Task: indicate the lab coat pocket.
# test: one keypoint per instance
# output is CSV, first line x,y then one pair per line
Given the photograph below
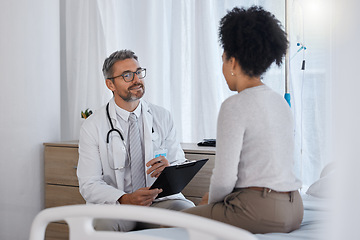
x,y
156,141
118,152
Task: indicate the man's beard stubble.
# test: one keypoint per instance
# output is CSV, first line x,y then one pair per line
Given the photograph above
x,y
133,97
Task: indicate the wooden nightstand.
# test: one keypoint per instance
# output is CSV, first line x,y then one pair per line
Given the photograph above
x,y
61,184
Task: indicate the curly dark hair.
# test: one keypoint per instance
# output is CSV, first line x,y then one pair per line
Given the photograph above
x,y
254,37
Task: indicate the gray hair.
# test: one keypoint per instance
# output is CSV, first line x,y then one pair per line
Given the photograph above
x,y
113,58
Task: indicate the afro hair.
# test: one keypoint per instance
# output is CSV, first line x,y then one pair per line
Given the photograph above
x,y
254,37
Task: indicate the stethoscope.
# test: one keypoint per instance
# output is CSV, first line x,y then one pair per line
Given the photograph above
x,y
108,141
122,139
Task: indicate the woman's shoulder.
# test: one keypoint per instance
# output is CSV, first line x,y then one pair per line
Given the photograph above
x,y
254,98
236,105
245,97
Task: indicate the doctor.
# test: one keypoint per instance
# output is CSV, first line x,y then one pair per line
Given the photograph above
x,y
124,146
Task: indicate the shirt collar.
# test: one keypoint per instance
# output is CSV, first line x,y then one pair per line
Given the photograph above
x,y
125,114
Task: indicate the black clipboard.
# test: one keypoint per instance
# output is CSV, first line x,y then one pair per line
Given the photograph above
x,y
174,179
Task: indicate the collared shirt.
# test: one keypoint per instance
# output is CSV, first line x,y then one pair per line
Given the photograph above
x,y
123,118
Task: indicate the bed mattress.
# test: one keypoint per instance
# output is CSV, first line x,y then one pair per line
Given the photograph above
x,y
313,226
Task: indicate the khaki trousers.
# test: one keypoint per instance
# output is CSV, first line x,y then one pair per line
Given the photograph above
x,y
256,211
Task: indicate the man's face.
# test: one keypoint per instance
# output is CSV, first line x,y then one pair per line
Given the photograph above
x,y
127,91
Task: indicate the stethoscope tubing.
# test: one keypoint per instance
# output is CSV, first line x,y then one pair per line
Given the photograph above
x,y
108,139
112,127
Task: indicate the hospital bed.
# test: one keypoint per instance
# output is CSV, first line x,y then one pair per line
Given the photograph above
x,y
317,212
181,226
313,227
80,221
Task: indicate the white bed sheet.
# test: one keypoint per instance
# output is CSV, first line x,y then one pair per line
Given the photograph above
x,y
313,227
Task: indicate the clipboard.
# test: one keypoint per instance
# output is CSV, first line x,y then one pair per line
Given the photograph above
x,y
174,179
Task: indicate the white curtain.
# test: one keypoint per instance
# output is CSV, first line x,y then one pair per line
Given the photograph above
x,y
177,41
85,51
310,27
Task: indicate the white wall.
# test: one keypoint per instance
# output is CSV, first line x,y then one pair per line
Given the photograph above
x,y
346,109
29,107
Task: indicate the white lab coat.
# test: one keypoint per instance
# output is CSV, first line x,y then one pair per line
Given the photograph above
x,y
99,183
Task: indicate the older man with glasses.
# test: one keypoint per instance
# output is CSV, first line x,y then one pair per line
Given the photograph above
x,y
125,145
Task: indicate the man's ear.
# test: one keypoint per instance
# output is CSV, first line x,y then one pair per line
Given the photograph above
x,y
110,85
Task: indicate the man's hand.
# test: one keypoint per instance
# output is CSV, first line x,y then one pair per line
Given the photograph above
x,y
157,166
142,197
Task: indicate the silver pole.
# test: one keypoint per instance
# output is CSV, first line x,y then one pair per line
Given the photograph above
x,y
287,56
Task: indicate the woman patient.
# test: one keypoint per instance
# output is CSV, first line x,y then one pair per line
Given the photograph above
x,y
253,185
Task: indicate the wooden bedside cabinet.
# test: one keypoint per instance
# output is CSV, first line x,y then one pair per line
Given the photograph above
x,y
62,187
199,185
61,184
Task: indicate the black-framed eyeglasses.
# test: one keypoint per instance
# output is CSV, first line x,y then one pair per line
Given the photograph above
x,y
129,76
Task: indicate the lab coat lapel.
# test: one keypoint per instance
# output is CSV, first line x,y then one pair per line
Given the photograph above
x,y
118,148
148,126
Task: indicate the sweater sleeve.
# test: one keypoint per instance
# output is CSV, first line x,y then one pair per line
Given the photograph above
x,y
230,134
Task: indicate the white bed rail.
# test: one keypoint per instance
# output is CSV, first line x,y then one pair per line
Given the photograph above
x,y
80,218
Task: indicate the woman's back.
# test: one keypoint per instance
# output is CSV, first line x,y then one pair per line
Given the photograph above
x,y
255,143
